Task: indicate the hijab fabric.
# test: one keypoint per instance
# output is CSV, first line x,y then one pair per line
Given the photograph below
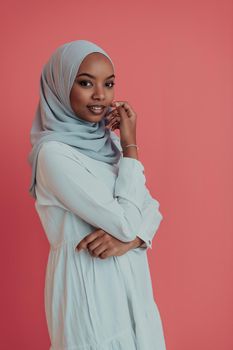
x,y
54,118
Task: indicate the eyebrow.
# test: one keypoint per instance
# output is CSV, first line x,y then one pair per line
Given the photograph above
x,y
93,77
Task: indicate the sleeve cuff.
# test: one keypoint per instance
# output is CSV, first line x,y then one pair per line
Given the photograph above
x,y
147,242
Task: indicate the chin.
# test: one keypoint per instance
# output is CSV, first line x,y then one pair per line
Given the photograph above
x,y
94,118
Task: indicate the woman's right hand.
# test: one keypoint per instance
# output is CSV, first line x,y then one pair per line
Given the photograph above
x,y
124,118
100,243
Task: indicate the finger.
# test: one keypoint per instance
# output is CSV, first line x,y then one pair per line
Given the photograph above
x,y
104,254
127,107
116,125
114,103
99,250
122,112
109,115
114,116
111,108
113,121
118,103
94,244
108,119
88,239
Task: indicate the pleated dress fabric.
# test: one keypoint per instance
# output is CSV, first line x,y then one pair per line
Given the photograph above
x,y
93,303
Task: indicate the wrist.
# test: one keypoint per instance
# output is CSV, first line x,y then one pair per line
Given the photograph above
x,y
127,142
137,242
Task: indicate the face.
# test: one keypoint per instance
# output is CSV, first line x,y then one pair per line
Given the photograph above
x,y
93,85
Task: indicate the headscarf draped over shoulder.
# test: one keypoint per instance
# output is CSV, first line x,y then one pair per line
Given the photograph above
x,y
54,118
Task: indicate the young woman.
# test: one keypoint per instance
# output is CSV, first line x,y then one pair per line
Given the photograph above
x,y
99,217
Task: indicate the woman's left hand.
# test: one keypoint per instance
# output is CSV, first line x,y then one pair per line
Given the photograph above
x,y
113,118
101,244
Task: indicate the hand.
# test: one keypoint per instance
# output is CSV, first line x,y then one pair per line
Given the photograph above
x,y
101,244
123,117
112,119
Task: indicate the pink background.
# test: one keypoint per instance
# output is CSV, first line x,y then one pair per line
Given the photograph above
x,y
174,66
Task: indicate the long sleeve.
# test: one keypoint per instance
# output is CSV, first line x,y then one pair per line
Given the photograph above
x,y
78,190
152,218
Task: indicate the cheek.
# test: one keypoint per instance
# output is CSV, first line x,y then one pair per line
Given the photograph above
x,y
110,94
78,97
78,101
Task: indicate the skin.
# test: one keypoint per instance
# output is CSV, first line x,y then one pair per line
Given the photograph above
x,y
99,90
86,90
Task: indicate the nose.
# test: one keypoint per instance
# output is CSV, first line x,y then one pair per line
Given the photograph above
x,y
98,93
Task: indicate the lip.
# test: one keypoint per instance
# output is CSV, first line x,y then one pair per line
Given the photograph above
x,y
96,105
95,112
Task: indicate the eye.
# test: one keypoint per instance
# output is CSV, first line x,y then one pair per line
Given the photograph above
x,y
85,82
111,82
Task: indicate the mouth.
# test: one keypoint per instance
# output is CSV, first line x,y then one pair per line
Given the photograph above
x,y
96,109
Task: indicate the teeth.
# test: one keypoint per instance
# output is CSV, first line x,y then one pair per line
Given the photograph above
x,y
97,108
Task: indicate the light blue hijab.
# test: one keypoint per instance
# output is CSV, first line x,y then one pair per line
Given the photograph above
x,y
54,118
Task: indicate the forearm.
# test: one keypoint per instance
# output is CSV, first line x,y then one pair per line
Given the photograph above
x,y
132,152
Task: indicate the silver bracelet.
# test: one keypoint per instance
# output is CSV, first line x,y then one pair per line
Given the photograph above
x,y
132,144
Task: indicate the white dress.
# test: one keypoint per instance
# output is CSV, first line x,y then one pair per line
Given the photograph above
x,y
93,303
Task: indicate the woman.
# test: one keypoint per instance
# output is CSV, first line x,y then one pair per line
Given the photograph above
x,y
95,208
